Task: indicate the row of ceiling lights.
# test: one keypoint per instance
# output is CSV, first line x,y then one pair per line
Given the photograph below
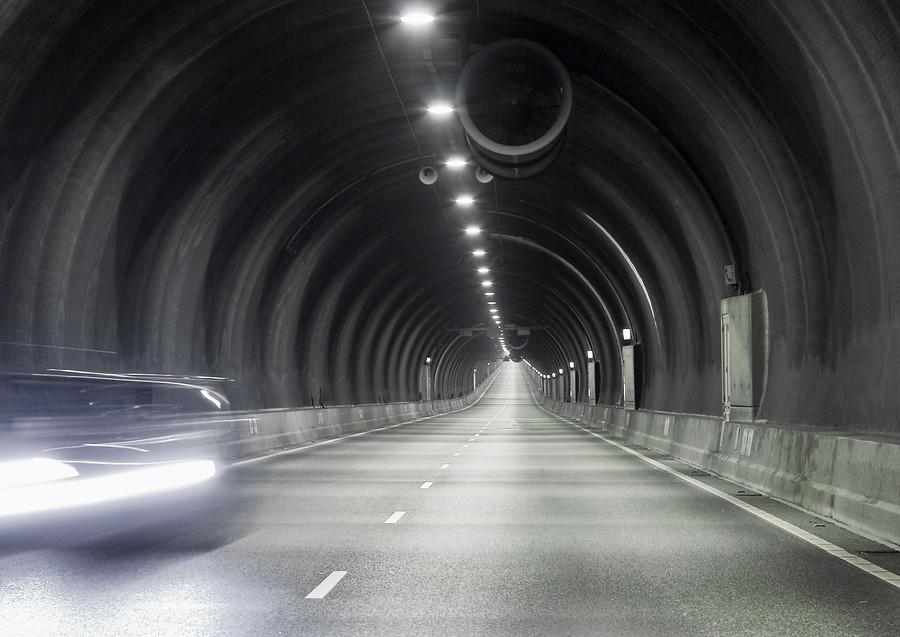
x,y
554,374
419,18
487,284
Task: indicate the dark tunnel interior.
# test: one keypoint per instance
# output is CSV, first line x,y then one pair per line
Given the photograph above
x,y
233,189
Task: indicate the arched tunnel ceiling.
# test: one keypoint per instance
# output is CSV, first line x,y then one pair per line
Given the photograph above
x,y
232,188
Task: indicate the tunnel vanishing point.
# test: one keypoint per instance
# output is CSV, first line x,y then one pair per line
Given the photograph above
x,y
683,215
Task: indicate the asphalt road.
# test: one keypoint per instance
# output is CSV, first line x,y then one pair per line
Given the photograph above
x,y
496,520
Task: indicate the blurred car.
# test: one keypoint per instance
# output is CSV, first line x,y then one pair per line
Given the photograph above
x,y
84,455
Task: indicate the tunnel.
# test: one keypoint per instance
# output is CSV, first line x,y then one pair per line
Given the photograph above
x,y
676,220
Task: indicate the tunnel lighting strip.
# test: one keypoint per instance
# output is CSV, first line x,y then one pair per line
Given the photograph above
x,y
854,560
630,263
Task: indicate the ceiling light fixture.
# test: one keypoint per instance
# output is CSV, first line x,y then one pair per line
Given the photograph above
x,y
465,200
417,18
478,253
440,109
487,284
471,230
455,162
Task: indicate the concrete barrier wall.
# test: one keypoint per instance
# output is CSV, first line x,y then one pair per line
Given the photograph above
x,y
258,433
850,479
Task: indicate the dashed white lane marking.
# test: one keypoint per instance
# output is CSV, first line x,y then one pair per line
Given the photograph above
x,y
327,584
854,560
471,440
395,517
464,446
457,455
445,466
476,435
426,485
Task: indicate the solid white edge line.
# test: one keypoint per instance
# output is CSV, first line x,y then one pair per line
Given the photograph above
x,y
426,485
395,517
832,549
327,584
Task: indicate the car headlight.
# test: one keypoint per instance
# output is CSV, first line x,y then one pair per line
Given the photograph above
x,y
56,494
16,473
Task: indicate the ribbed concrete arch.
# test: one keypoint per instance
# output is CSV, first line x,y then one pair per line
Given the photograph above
x,y
231,188
562,336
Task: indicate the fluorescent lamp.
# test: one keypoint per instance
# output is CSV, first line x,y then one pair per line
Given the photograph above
x,y
478,253
472,230
455,162
465,200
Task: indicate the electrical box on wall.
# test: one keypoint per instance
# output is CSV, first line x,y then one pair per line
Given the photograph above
x,y
593,384
629,387
730,275
744,355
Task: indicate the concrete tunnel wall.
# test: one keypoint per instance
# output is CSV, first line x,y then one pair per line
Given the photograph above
x,y
196,189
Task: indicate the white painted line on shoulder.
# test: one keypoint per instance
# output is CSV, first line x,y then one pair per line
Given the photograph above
x,y
828,547
426,485
327,584
395,517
